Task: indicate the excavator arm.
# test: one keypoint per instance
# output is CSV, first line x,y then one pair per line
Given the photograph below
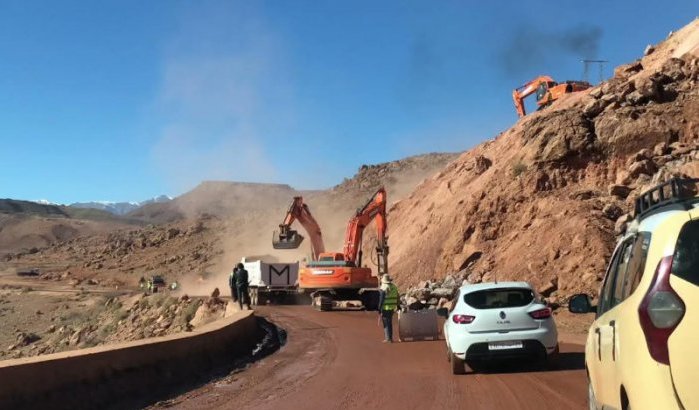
x,y
524,91
374,209
287,238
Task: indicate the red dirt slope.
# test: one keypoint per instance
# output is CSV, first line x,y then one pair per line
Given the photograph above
x,y
540,201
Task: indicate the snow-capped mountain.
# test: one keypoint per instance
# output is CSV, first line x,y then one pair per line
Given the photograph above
x,y
44,202
120,208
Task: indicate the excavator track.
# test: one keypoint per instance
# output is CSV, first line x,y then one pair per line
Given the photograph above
x,y
351,299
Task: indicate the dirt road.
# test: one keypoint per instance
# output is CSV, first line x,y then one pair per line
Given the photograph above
x,y
336,361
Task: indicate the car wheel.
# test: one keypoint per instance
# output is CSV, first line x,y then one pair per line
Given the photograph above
x,y
592,402
458,366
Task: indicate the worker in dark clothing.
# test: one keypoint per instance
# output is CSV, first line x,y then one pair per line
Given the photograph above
x,y
241,285
388,304
231,284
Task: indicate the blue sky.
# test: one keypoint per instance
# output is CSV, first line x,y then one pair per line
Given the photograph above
x,y
124,100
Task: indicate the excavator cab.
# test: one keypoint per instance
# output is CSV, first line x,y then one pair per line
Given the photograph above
x,y
328,259
286,238
541,90
331,257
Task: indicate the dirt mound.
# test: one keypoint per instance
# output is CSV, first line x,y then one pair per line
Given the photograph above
x,y
544,200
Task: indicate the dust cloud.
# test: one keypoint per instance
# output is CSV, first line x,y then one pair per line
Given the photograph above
x,y
248,232
248,213
244,216
223,92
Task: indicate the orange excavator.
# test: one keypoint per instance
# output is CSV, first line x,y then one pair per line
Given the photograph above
x,y
547,91
332,277
287,238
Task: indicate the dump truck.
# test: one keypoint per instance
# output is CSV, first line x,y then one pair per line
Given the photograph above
x,y
547,91
271,282
332,279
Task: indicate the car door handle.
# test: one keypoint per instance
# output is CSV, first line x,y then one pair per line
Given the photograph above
x,y
612,323
599,343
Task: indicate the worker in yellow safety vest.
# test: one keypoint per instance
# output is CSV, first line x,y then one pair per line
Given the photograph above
x,y
389,299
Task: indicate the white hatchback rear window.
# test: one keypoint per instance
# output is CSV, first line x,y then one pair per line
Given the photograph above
x,y
499,298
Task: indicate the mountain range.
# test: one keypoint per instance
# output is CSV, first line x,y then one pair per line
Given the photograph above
x,y
120,208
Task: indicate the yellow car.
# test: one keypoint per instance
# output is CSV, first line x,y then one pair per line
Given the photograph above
x,y
642,350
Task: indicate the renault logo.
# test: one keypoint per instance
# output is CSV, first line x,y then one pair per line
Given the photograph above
x,y
502,315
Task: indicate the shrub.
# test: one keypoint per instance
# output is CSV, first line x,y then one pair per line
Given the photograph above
x,y
518,169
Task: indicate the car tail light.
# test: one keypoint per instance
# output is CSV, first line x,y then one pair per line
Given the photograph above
x,y
660,312
462,319
544,313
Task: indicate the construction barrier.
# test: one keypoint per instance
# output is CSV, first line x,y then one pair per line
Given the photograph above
x,y
416,325
125,375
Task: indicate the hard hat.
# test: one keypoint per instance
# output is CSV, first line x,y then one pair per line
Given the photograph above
x,y
386,279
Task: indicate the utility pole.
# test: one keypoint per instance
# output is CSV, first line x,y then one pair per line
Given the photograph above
x,y
586,69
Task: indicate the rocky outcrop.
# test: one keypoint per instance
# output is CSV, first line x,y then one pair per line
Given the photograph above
x,y
168,250
121,319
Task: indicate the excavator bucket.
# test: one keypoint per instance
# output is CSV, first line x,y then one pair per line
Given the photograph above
x,y
290,239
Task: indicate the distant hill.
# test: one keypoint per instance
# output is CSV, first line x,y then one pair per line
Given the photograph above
x,y
119,208
30,208
14,206
227,199
25,224
219,198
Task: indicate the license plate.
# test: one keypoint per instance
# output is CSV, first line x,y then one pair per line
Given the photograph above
x,y
505,345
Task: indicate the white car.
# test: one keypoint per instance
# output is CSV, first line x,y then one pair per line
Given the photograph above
x,y
503,320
